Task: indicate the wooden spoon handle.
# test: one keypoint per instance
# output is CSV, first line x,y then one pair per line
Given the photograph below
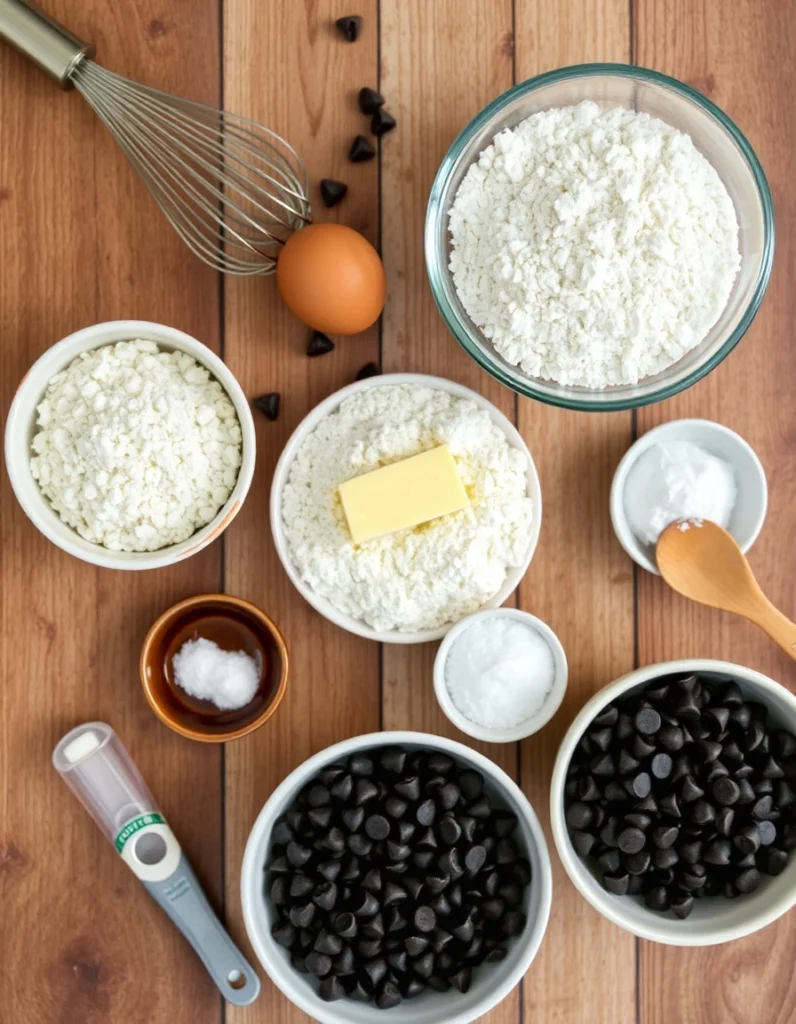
x,y
778,627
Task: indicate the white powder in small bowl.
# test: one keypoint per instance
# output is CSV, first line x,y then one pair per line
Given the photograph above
x,y
229,679
499,672
677,480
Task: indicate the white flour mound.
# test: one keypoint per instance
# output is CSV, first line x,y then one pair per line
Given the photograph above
x,y
137,448
593,247
423,577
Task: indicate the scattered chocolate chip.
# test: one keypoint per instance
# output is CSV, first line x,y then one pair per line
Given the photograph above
x,y
319,344
368,370
382,122
361,150
350,27
269,404
369,100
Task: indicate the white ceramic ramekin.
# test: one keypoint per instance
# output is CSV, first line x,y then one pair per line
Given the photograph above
x,y
530,725
714,919
491,983
21,426
310,422
751,502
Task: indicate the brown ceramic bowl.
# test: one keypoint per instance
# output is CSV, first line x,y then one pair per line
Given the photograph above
x,y
233,624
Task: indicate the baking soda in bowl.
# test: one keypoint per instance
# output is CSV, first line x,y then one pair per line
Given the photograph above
x,y
499,672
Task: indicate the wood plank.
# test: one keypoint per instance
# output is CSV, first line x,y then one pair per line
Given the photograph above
x,y
82,242
580,581
747,64
441,63
287,66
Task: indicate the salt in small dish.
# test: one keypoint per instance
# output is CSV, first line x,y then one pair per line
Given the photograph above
x,y
528,726
234,624
751,502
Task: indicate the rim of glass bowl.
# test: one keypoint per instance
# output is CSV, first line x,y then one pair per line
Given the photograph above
x,y
523,384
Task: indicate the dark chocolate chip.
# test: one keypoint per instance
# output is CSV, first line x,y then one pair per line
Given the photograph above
x,y
409,788
416,945
661,766
681,905
269,404
350,27
747,881
284,933
319,344
367,905
318,964
638,863
671,738
426,813
657,898
725,792
382,122
616,883
647,721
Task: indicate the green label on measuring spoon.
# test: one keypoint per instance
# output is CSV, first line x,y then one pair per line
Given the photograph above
x,y
136,825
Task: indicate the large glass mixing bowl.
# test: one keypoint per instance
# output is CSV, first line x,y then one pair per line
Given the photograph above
x,y
714,134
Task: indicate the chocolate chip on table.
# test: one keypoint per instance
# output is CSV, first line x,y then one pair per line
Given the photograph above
x,y
332,192
368,370
350,27
319,344
269,404
369,100
361,150
382,122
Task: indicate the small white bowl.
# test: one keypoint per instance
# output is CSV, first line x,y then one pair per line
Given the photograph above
x,y
21,426
751,502
311,421
714,919
530,725
491,984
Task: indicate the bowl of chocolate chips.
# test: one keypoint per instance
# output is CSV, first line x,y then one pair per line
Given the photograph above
x,y
396,873
673,802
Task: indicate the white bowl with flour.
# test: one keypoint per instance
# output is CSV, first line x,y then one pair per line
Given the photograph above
x,y
748,510
282,480
21,427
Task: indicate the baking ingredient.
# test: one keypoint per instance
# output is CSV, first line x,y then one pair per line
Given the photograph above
x,y
403,494
420,578
331,278
393,872
593,247
370,100
499,672
269,404
683,790
137,448
361,150
228,679
368,370
332,191
319,344
677,480
382,122
350,27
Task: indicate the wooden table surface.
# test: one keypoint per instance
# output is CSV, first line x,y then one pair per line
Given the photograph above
x,y
81,242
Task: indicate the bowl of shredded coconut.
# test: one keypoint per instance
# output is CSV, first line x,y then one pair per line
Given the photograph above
x,y
599,237
411,585
130,445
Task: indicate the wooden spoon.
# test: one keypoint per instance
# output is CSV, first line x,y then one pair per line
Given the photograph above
x,y
702,561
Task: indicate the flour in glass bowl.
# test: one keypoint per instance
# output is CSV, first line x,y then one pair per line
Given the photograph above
x,y
420,578
593,247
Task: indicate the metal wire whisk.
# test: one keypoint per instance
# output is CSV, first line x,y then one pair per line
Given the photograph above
x,y
233,190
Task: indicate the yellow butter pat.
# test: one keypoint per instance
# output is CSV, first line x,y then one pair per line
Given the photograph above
x,y
403,494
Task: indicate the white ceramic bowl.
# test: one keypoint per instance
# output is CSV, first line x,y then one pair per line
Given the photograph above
x,y
751,502
530,725
714,919
311,421
21,426
491,983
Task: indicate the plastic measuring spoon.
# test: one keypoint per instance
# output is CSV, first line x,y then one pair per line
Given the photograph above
x,y
93,762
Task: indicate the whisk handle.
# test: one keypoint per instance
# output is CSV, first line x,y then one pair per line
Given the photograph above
x,y
41,38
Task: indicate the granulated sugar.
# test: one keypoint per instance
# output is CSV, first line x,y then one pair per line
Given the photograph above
x,y
499,672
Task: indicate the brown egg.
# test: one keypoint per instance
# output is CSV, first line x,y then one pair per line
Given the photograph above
x,y
331,278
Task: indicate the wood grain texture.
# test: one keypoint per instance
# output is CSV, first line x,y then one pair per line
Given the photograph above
x,y
286,65
82,242
743,56
580,582
440,64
